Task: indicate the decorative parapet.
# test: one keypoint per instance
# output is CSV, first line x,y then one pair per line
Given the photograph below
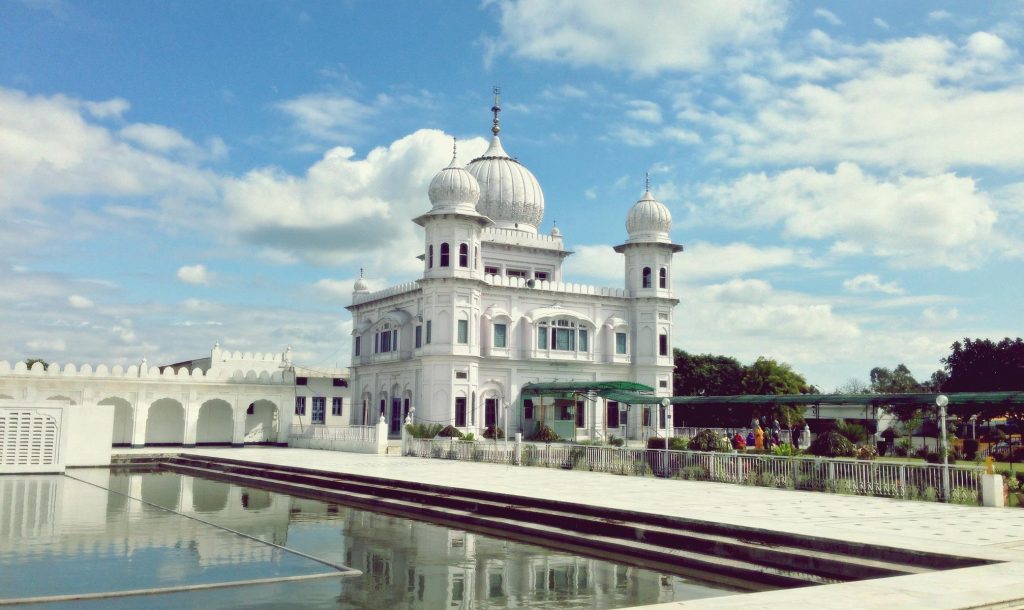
x,y
521,238
387,292
145,372
569,288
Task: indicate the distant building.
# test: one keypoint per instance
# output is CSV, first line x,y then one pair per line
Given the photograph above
x,y
492,312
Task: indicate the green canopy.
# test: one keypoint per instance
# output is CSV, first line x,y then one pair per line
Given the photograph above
x,y
955,399
584,387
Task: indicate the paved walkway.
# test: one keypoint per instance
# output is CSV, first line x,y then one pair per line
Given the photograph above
x,y
990,533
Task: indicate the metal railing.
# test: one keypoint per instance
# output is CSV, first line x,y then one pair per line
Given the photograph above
x,y
785,436
335,433
836,475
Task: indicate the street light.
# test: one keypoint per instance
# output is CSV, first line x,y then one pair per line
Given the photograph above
x,y
665,403
941,401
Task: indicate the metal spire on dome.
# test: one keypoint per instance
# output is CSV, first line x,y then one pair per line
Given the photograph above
x,y
647,182
496,109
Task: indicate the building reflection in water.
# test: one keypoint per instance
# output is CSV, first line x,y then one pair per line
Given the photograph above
x,y
406,563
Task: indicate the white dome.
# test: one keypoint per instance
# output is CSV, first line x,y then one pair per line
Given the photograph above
x,y
454,189
360,285
509,194
648,220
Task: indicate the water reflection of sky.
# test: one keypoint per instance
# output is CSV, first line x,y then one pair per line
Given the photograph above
x,y
86,539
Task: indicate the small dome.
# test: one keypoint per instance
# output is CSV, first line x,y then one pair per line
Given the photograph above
x,y
454,189
360,285
648,220
555,232
509,194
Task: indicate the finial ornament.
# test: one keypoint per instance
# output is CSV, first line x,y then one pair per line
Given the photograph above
x,y
496,109
647,181
360,272
455,147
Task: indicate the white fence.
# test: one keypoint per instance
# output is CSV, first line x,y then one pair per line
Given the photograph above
x,y
858,477
356,439
785,436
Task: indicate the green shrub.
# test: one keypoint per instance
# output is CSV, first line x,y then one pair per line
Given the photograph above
x,y
866,452
545,435
705,440
494,432
833,444
449,431
855,433
679,443
785,449
615,441
423,430
466,437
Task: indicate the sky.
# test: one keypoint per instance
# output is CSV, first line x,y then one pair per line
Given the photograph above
x,y
846,177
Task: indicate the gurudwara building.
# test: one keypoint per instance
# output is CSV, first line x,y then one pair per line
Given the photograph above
x,y
493,313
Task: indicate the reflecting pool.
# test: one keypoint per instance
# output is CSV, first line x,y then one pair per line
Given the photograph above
x,y
100,530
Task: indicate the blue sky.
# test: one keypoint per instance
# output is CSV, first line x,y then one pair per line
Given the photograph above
x,y
845,176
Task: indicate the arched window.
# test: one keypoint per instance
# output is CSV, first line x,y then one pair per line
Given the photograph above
x,y
663,278
430,256
646,276
463,255
444,254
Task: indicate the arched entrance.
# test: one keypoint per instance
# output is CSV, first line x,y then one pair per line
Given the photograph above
x,y
261,422
165,423
124,420
215,425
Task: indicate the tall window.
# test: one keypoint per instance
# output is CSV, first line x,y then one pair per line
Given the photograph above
x,y
419,336
490,412
584,347
357,345
527,409
463,331
386,339
542,336
613,414
563,335
663,278
581,415
620,343
463,255
427,338
430,256
663,344
300,405
500,335
444,254
319,410
460,411
337,406
646,277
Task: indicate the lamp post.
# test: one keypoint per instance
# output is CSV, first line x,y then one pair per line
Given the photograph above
x,y
665,403
941,401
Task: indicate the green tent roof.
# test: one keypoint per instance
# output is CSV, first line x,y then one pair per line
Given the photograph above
x,y
955,399
582,387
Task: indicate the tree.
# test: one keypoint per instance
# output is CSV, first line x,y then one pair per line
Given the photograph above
x,y
980,365
706,375
30,361
853,386
766,376
897,381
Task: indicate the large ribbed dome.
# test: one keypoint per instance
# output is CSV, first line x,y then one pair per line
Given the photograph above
x,y
509,194
648,220
454,189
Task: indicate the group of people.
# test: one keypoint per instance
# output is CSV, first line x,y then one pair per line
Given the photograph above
x,y
765,435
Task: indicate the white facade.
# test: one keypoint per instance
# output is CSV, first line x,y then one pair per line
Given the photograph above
x,y
492,313
227,398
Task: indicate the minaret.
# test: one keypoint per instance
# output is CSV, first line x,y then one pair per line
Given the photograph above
x,y
648,277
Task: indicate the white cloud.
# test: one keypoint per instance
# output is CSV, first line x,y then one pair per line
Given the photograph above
x,y
644,37
327,116
707,260
110,109
869,282
923,104
46,345
195,274
79,302
938,220
828,16
644,110
342,207
940,15
939,316
881,23
595,263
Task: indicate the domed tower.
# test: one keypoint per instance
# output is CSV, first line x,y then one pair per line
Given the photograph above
x,y
649,252
452,226
509,193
